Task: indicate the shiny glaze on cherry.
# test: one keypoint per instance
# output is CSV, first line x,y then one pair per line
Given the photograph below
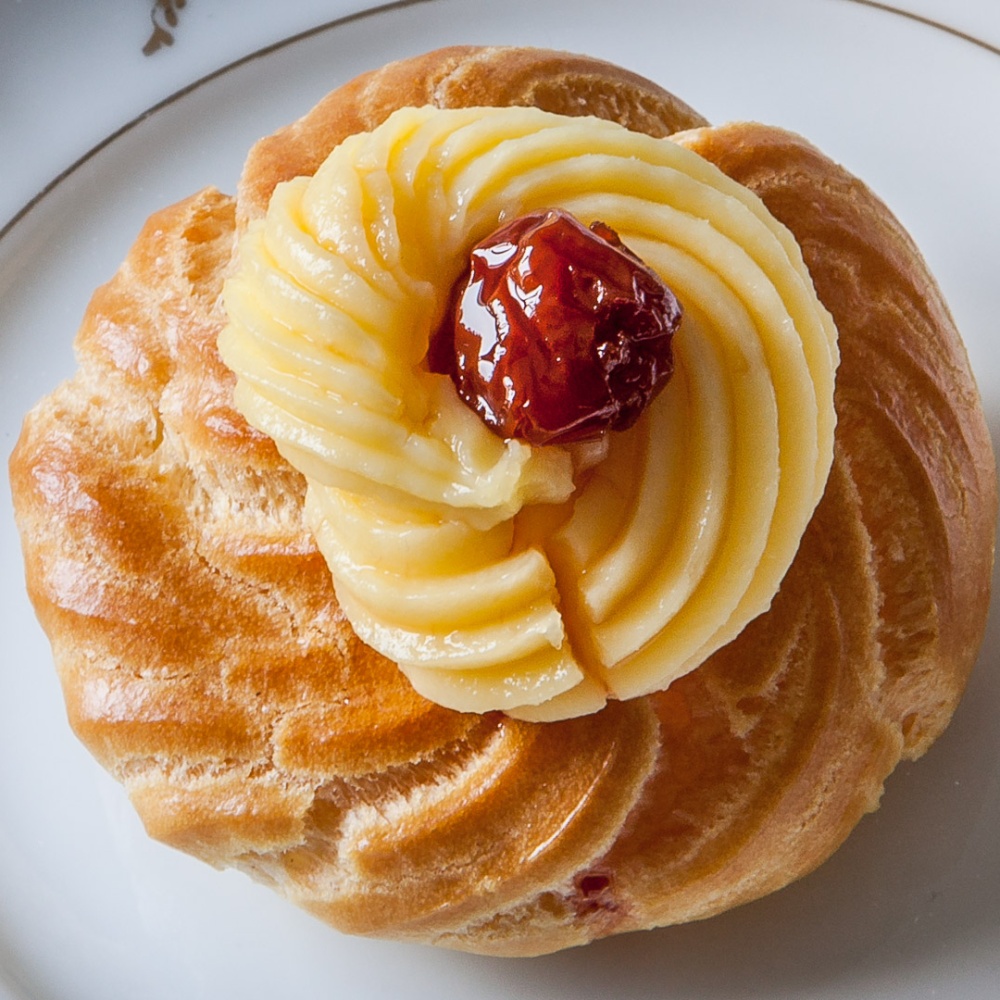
x,y
557,333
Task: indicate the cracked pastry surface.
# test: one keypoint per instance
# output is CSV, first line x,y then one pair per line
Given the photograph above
x,y
206,663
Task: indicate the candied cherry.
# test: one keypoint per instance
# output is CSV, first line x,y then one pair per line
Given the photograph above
x,y
556,332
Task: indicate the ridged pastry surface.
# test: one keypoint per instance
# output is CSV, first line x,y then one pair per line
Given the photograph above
x,y
206,663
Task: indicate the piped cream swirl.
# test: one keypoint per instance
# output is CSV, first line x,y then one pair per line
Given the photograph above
x,y
496,573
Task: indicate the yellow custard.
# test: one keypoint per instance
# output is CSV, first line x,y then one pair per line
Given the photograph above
x,y
499,574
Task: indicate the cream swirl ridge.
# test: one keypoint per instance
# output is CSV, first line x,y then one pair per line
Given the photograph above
x,y
500,574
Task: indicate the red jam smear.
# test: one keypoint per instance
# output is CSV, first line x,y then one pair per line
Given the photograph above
x,y
557,333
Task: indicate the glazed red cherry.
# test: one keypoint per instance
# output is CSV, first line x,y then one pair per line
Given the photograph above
x,y
557,332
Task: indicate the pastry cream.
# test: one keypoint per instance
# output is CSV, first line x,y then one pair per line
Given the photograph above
x,y
498,574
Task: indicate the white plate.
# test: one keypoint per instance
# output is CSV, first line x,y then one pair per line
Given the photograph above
x,y
909,908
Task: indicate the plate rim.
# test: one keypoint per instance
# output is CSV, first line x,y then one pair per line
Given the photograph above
x,y
365,13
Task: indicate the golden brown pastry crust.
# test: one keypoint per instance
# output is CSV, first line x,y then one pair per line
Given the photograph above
x,y
205,662
460,77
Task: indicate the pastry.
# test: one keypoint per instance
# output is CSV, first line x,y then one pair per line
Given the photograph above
x,y
208,665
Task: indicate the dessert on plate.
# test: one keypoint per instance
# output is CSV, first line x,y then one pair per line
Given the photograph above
x,y
523,513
